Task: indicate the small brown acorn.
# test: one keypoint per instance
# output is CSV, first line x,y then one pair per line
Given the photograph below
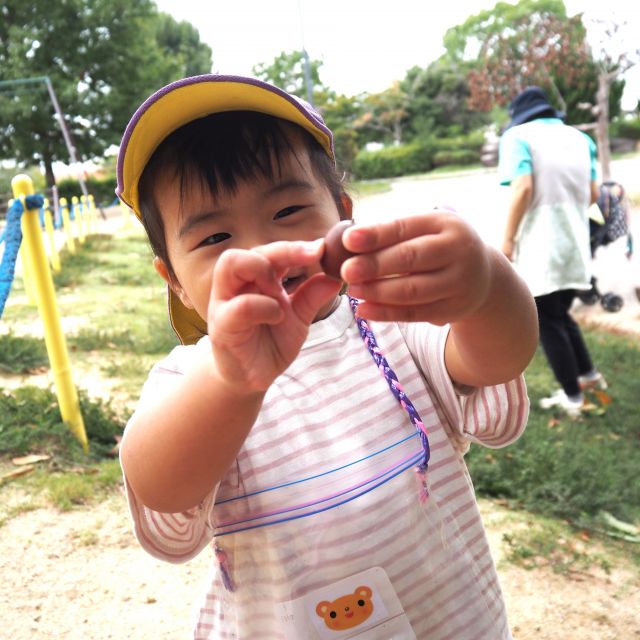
x,y
334,251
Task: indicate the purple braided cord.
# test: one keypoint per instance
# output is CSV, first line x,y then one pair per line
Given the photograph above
x,y
393,382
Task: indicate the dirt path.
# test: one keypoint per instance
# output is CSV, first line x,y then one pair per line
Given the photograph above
x,y
80,575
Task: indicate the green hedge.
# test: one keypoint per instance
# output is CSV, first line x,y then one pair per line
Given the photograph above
x,y
472,142
103,189
393,161
625,129
455,157
418,157
459,150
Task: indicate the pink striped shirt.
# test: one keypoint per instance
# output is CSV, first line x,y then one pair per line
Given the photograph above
x,y
324,488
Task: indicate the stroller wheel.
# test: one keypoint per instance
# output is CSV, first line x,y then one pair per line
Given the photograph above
x,y
611,302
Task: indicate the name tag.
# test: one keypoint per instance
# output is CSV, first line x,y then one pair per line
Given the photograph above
x,y
363,606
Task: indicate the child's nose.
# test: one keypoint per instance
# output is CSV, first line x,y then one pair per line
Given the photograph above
x,y
256,237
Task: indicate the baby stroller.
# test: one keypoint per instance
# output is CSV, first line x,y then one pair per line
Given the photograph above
x,y
613,225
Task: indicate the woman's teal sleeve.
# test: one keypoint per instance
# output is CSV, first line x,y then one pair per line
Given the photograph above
x,y
515,158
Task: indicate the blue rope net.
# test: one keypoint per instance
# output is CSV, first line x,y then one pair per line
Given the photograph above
x,y
12,237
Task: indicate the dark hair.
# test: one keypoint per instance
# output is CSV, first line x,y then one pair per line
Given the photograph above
x,y
218,151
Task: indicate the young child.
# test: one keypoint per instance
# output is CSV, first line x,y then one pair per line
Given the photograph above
x,y
319,453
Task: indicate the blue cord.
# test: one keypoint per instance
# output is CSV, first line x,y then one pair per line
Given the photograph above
x,y
13,237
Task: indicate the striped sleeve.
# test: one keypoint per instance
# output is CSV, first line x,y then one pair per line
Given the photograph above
x,y
493,416
173,537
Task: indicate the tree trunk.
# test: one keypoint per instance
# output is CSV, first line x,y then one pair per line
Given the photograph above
x,y
602,130
397,132
48,170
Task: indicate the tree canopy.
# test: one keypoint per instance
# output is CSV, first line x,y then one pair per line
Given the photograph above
x,y
533,42
439,100
287,71
103,57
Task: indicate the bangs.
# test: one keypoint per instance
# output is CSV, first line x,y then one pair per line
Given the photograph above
x,y
219,151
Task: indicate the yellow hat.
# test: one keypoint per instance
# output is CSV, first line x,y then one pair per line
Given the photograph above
x,y
189,99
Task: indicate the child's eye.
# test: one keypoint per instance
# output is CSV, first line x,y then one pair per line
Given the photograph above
x,y
287,211
214,239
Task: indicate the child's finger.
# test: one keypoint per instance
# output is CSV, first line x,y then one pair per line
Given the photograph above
x,y
240,271
362,238
405,290
438,312
283,255
238,315
312,295
422,254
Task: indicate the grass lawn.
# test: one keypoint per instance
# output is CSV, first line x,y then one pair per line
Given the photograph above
x,y
583,473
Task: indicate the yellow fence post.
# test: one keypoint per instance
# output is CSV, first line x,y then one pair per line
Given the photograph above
x,y
91,208
126,215
94,214
81,216
86,216
48,225
48,307
66,225
27,280
77,213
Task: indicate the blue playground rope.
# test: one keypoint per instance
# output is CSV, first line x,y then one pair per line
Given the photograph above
x,y
12,238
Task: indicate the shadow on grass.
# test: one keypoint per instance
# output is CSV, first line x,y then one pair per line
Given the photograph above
x,y
22,354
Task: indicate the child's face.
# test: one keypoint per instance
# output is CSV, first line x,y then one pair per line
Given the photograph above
x,y
295,205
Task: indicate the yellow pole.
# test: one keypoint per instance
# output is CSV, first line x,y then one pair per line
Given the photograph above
x,y
126,214
48,225
48,307
66,225
86,214
94,213
26,277
78,216
81,216
27,280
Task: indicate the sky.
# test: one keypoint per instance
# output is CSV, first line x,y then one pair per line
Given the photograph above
x,y
365,45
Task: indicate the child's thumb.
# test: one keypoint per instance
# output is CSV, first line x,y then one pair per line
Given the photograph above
x,y
318,291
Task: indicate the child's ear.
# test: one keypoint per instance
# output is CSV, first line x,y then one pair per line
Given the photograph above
x,y
347,206
163,271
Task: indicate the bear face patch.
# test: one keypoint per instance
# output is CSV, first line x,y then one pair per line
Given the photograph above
x,y
347,611
362,606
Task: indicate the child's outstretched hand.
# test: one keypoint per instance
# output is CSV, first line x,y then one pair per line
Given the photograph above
x,y
432,267
255,326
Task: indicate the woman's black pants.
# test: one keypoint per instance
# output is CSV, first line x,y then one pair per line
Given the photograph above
x,y
562,340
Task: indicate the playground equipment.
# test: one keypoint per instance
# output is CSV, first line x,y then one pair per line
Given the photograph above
x,y
42,282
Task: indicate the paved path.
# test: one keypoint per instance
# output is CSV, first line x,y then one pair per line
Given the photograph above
x,y
477,196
